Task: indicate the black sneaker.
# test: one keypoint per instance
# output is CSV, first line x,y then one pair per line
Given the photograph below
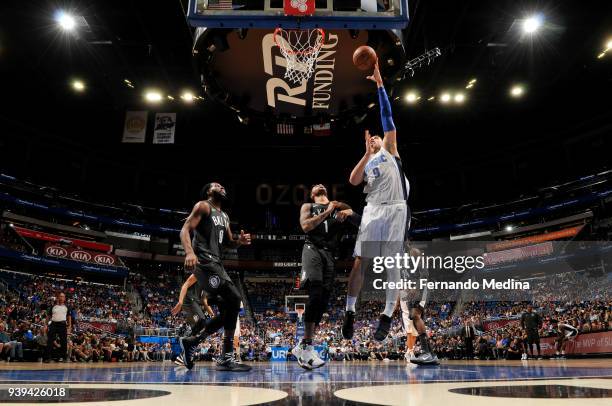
x,y
384,325
426,358
188,345
347,325
228,363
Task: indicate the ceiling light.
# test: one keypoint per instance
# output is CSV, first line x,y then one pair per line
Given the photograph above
x,y
517,91
412,97
170,97
66,21
432,98
532,24
78,85
609,45
601,55
445,98
153,96
509,228
471,82
187,97
459,98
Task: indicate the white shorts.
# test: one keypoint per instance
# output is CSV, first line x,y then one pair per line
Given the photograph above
x,y
383,230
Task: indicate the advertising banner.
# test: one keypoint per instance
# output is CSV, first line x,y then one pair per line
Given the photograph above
x,y
165,124
78,254
135,127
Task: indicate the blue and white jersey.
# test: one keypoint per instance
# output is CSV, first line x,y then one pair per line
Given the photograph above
x,y
385,181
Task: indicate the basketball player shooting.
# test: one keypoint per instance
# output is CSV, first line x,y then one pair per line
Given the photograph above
x,y
210,227
322,221
386,217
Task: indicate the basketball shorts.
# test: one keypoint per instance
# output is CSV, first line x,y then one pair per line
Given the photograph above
x,y
383,230
193,310
317,266
532,336
211,276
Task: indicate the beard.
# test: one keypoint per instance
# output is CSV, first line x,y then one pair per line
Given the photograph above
x,y
221,197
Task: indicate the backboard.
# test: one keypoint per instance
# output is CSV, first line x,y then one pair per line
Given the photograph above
x,y
243,66
329,14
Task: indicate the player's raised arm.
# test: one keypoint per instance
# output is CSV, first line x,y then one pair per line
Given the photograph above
x,y
200,209
346,213
358,172
386,116
308,222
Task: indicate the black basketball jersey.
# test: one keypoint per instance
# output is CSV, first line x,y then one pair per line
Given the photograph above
x,y
327,234
209,235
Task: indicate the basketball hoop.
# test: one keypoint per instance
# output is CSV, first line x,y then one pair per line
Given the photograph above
x,y
300,308
300,49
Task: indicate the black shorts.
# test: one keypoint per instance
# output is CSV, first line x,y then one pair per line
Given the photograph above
x,y
193,310
533,337
211,276
318,266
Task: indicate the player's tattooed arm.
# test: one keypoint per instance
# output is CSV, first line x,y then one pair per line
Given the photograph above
x,y
243,238
308,222
201,209
346,213
186,285
358,172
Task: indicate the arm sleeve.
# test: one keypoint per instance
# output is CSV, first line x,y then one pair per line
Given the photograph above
x,y
386,116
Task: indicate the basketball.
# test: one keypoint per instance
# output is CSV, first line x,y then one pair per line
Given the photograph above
x,y
364,57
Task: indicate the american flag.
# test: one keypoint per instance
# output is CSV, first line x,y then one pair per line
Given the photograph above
x,y
220,4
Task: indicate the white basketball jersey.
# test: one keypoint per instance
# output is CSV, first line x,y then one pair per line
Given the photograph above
x,y
384,179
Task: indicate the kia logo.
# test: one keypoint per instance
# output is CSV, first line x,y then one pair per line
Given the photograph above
x,y
56,251
104,259
80,256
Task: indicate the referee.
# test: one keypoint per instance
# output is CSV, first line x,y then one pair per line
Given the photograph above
x,y
531,322
59,325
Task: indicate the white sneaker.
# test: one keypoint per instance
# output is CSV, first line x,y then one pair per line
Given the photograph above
x,y
307,357
408,355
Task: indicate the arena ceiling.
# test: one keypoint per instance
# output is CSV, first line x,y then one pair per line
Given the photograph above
x,y
521,143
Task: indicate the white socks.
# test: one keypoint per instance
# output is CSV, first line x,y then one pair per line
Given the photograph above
x,y
389,308
350,303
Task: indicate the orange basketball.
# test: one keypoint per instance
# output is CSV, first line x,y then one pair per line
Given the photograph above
x,y
364,57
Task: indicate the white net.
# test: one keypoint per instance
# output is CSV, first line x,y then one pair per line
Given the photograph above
x,y
300,49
